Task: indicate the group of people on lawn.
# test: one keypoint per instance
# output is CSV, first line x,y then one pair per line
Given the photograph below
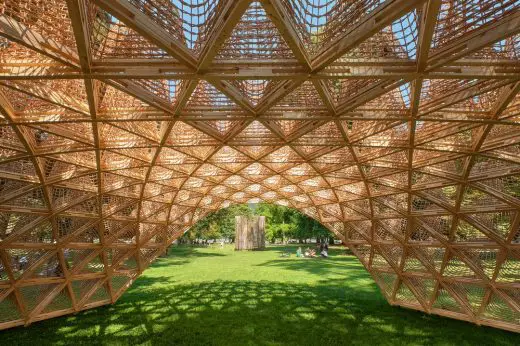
x,y
321,248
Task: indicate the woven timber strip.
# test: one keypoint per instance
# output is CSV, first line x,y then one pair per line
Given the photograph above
x,y
394,123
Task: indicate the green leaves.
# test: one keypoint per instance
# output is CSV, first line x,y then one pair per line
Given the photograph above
x,y
282,223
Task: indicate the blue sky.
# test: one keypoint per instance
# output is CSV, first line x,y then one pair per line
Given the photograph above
x,y
315,12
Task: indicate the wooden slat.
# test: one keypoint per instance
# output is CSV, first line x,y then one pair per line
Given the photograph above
x,y
386,169
367,26
135,19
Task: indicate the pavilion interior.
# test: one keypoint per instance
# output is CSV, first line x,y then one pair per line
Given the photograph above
x,y
395,123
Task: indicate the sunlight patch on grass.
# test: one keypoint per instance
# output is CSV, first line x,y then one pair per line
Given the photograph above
x,y
213,296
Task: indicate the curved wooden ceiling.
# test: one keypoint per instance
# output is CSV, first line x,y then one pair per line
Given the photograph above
x,y
395,123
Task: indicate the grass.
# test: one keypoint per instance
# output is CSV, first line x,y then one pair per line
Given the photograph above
x,y
214,296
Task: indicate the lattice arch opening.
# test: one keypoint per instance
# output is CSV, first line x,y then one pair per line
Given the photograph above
x,y
394,123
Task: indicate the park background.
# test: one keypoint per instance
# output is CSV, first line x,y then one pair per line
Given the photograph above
x,y
283,225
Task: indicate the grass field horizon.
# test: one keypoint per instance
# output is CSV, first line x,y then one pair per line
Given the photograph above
x,y
215,296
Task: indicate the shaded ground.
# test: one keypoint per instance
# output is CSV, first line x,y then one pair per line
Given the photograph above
x,y
213,296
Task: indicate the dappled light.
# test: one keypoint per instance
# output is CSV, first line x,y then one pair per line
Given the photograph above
x,y
219,296
393,124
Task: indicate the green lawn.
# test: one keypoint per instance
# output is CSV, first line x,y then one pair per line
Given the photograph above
x,y
213,296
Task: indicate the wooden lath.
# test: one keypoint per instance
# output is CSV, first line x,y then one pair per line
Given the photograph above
x,y
395,124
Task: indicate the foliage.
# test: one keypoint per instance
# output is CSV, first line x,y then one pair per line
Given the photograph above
x,y
282,223
218,224
287,223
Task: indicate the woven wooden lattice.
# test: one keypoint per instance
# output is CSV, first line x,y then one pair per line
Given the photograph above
x,y
395,123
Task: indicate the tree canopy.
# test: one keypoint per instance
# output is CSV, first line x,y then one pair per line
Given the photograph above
x,y
282,224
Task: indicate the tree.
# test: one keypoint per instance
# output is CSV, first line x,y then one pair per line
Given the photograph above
x,y
282,223
213,231
218,224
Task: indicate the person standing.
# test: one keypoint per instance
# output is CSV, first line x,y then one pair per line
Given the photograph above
x,y
324,250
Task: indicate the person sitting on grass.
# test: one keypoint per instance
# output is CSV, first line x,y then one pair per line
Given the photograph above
x,y
299,252
310,253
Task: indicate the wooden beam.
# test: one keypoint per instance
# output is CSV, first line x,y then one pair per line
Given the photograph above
x,y
367,26
21,71
278,94
234,94
133,89
226,21
482,37
325,95
428,21
148,28
368,94
279,16
460,95
77,12
19,33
